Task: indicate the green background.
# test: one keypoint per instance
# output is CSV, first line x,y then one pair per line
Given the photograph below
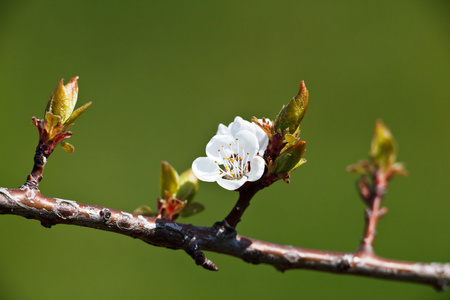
x,y
162,75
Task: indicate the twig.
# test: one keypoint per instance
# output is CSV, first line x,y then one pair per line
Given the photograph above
x,y
234,217
31,204
373,211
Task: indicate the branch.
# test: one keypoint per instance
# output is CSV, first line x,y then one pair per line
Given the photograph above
x,y
29,203
373,211
234,217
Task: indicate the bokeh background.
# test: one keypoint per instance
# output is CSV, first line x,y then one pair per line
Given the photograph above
x,y
162,75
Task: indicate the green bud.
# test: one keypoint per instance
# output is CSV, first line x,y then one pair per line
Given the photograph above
x,y
383,150
188,186
290,159
177,192
287,118
168,180
63,101
291,115
302,101
383,155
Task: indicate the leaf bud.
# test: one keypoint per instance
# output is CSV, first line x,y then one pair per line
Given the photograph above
x,y
291,115
289,159
188,186
168,180
383,150
63,101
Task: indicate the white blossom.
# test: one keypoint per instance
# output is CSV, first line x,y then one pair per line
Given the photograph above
x,y
233,155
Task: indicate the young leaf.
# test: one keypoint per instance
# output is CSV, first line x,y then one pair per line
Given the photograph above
x,y
188,186
192,209
168,180
68,147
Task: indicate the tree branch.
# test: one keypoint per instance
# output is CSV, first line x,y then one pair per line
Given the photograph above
x,y
234,217
373,211
29,203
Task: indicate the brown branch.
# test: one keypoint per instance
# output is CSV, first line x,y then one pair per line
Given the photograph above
x,y
373,211
40,159
234,217
29,203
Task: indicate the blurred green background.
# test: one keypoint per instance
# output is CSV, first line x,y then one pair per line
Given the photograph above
x,y
162,75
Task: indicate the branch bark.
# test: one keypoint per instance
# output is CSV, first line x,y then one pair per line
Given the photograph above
x,y
29,203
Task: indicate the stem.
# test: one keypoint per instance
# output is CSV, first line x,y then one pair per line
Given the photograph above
x,y
234,217
45,147
373,213
40,159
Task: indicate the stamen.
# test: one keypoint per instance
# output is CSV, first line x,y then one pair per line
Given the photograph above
x,y
234,166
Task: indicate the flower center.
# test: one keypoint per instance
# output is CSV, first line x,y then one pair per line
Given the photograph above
x,y
235,161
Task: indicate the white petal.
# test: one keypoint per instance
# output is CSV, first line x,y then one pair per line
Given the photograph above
x,y
216,143
231,185
205,169
257,166
263,139
247,143
223,130
240,124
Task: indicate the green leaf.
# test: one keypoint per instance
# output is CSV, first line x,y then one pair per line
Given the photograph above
x,y
51,124
301,162
289,138
77,113
289,159
287,118
52,119
68,147
188,186
192,209
302,99
144,210
168,180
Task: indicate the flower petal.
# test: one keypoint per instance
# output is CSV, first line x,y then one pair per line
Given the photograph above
x,y
257,166
222,143
239,124
263,139
246,142
223,130
231,185
205,169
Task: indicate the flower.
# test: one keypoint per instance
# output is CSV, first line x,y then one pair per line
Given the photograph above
x,y
233,155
